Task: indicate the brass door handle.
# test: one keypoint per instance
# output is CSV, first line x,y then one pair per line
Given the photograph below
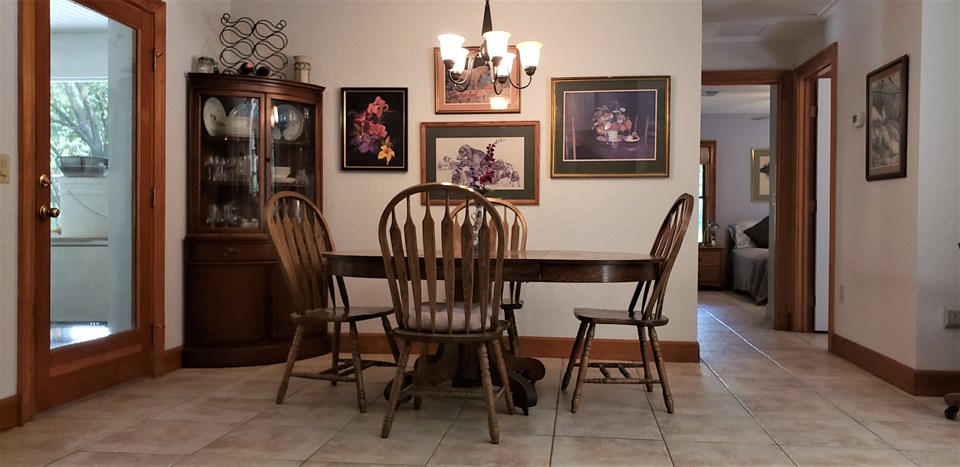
x,y
48,212
45,182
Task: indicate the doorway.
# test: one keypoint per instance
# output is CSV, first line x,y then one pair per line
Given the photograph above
x,y
91,172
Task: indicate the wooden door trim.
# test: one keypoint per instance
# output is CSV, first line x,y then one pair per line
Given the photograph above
x,y
786,150
32,55
821,65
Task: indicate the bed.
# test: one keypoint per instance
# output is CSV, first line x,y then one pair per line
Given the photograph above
x,y
748,264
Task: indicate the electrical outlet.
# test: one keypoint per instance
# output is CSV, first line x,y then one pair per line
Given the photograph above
x,y
951,318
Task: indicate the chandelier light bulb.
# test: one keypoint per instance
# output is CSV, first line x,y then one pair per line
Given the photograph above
x,y
450,45
459,61
506,65
529,54
496,43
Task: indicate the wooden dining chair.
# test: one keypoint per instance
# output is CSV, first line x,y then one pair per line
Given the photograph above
x,y
515,228
649,295
300,235
451,297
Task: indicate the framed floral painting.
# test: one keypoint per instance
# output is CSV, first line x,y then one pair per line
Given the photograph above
x,y
611,127
478,94
374,129
499,159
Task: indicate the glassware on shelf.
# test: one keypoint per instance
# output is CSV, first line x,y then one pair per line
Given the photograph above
x,y
213,215
302,177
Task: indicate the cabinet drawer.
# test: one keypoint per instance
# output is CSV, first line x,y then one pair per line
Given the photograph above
x,y
709,274
710,258
217,252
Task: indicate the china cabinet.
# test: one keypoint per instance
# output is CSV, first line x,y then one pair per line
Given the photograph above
x,y
249,137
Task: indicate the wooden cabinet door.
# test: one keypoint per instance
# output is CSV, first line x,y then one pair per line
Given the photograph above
x,y
239,293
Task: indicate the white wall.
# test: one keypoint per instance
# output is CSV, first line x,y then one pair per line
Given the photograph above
x,y
614,214
736,135
876,222
821,312
938,207
8,200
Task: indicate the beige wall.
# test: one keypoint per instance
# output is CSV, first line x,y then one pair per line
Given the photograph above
x,y
8,200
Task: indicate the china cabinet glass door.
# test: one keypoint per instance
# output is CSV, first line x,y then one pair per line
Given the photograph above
x,y
293,148
229,175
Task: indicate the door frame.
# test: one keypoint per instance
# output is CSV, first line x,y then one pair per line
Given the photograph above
x,y
783,254
33,61
821,65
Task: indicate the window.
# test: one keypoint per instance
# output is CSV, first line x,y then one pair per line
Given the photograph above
x,y
707,191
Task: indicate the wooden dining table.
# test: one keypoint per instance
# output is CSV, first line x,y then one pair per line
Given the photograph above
x,y
570,266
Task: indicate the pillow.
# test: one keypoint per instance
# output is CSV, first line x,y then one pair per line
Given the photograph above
x,y
740,239
760,233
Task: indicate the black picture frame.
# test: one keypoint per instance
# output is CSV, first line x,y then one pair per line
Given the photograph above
x,y
887,92
373,124
610,127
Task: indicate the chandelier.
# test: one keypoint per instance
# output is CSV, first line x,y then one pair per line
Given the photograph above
x,y
461,63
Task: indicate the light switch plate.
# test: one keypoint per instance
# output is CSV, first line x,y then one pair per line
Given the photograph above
x,y
4,168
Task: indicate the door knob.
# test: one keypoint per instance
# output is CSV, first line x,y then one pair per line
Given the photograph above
x,y
49,212
45,181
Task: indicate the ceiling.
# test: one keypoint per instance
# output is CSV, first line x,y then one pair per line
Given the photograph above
x,y
67,16
762,20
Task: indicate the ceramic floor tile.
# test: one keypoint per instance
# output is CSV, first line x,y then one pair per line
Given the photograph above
x,y
893,409
470,448
163,437
27,457
686,402
216,410
258,389
608,424
270,442
473,417
934,458
58,433
578,452
711,428
607,397
366,446
810,432
691,453
435,415
919,436
177,384
806,404
331,415
210,460
818,455
122,405
117,459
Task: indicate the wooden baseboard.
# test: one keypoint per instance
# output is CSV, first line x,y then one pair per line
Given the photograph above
x,y
559,347
9,412
172,359
916,382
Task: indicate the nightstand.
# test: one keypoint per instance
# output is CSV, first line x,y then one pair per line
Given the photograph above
x,y
710,266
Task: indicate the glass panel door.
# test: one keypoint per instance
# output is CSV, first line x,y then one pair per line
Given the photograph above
x,y
293,147
93,144
229,180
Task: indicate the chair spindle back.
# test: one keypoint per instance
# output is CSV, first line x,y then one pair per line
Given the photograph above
x,y
667,246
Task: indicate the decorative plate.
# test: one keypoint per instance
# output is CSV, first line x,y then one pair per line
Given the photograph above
x,y
213,115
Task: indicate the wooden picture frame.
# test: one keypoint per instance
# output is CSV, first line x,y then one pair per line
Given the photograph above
x,y
887,89
760,175
373,129
447,147
610,127
476,99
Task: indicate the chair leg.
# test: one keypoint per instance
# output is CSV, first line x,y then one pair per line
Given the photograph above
x,y
488,394
661,370
357,367
643,358
573,355
512,335
395,391
584,366
291,360
504,377
420,367
335,354
390,339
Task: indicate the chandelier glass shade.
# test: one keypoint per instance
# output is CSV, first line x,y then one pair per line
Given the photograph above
x,y
493,53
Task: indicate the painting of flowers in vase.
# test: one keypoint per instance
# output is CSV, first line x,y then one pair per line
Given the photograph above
x,y
374,129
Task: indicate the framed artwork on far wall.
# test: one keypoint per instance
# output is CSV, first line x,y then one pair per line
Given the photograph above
x,y
887,120
611,127
373,129
479,95
760,175
454,151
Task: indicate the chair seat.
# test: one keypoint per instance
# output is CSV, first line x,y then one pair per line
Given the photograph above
x,y
604,316
458,323
341,314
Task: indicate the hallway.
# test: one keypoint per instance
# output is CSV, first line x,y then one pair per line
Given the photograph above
x,y
759,397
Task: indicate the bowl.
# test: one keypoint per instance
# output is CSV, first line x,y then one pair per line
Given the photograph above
x,y
83,166
280,171
237,126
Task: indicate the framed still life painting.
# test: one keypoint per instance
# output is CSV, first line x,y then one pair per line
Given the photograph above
x,y
611,127
887,120
500,159
374,129
477,94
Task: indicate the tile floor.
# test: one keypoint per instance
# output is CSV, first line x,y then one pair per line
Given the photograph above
x,y
758,397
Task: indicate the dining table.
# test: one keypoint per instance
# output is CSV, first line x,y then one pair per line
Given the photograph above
x,y
552,266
